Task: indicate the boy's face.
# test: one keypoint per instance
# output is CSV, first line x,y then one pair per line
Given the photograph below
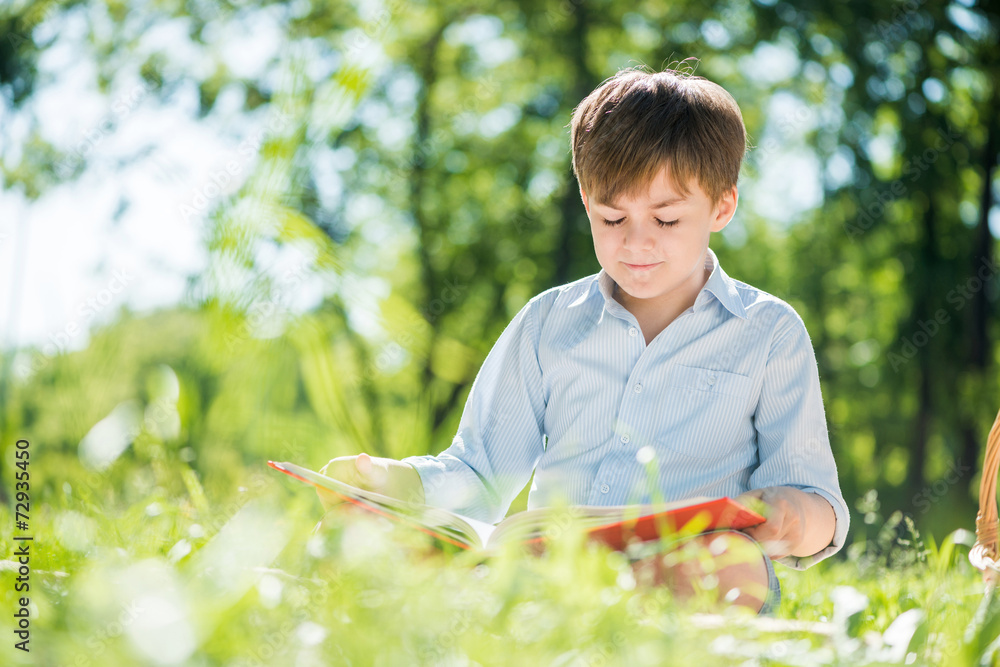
x,y
656,250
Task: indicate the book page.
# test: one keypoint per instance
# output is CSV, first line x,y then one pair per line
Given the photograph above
x,y
616,525
532,523
468,531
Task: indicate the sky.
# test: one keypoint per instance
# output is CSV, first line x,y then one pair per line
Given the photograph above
x,y
78,254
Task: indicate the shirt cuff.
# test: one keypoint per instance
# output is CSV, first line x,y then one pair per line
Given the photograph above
x,y
843,519
451,485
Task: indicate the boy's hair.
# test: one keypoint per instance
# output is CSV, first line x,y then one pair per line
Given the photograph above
x,y
637,121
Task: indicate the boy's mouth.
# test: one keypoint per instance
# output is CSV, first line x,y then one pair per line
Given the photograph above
x,y
642,267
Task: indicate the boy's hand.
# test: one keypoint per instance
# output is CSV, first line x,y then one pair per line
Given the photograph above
x,y
381,475
798,523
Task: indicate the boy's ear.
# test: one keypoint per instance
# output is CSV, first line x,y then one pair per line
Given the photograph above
x,y
586,204
725,209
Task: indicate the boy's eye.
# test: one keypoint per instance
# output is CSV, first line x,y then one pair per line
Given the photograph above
x,y
662,223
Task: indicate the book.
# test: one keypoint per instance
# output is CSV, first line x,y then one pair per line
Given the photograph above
x,y
617,526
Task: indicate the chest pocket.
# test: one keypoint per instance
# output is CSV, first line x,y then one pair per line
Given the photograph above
x,y
709,380
707,414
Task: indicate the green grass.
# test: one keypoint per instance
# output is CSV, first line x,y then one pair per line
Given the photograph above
x,y
247,581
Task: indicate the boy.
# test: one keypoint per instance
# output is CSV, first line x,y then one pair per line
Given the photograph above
x,y
659,357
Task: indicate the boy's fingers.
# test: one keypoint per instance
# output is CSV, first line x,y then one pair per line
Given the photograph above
x,y
750,496
364,469
770,536
373,473
754,500
775,548
757,534
343,469
363,463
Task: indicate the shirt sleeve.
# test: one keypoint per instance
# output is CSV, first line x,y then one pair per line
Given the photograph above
x,y
499,439
792,438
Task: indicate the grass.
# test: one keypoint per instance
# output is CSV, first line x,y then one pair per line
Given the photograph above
x,y
248,581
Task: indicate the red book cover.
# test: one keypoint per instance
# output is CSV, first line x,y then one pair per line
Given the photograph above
x,y
711,515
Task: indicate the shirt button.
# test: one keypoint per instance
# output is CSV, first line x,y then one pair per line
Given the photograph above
x,y
711,379
625,439
638,388
632,331
605,488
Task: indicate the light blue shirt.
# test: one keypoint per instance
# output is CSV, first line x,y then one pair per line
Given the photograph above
x,y
724,400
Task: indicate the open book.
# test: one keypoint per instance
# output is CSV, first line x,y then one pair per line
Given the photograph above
x,y
616,526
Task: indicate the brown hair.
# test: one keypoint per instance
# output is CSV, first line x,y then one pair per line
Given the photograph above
x,y
639,121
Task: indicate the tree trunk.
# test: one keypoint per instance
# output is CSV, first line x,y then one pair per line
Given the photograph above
x,y
427,69
979,343
571,207
921,311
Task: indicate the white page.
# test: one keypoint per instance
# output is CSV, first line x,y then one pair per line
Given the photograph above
x,y
477,533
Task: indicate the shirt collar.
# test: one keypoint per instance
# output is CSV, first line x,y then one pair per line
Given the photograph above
x,y
719,284
722,286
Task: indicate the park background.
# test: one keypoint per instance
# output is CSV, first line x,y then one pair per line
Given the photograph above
x,y
240,231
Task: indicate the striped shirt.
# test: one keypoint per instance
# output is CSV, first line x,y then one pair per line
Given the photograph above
x,y
724,400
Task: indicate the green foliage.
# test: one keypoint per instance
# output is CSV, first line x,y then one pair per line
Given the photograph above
x,y
158,580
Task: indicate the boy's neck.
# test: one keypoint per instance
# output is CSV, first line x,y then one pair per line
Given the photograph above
x,y
654,315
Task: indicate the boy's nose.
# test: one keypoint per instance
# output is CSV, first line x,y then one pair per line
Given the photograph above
x,y
638,237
